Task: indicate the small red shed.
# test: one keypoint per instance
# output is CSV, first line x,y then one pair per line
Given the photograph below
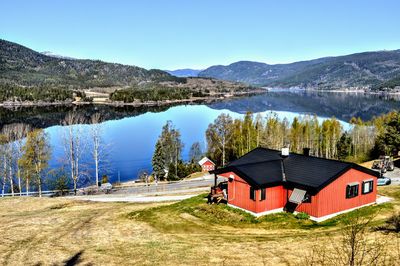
x,y
263,181
206,165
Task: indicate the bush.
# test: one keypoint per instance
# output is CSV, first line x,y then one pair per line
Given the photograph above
x,y
58,180
104,179
392,224
302,216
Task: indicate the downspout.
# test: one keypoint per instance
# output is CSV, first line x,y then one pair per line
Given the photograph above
x,y
234,188
283,172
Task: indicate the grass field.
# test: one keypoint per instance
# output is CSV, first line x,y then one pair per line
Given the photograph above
x,y
59,231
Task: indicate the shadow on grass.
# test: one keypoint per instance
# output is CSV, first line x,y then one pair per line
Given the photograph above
x,y
74,260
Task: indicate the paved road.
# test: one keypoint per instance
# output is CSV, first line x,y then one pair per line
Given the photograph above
x,y
205,182
173,191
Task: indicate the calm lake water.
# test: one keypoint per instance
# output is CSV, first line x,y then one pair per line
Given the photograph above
x,y
131,133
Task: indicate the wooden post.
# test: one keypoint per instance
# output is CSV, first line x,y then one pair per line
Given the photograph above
x,y
215,180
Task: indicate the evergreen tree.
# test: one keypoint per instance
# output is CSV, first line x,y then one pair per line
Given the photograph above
x,y
389,140
158,161
168,149
344,146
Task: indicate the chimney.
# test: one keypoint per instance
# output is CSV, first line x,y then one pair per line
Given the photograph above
x,y
285,152
306,151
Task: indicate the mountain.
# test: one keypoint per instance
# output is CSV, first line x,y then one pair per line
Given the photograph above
x,y
369,70
27,76
22,66
186,72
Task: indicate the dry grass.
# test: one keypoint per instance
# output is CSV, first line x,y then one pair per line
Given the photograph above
x,y
52,231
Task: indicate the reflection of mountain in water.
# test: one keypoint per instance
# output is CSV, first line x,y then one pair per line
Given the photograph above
x,y
327,104
46,116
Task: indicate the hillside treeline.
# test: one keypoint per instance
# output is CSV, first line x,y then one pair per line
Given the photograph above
x,y
155,93
13,93
229,138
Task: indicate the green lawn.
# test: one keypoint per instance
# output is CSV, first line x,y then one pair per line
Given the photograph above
x,y
195,215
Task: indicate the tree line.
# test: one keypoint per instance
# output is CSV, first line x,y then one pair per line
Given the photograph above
x,y
228,138
13,93
155,93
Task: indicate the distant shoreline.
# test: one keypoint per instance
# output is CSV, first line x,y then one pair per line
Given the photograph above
x,y
207,99
217,97
269,89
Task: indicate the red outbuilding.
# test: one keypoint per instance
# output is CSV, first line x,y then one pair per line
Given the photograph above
x,y
206,164
268,181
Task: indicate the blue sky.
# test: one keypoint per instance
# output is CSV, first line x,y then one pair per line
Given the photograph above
x,y
176,34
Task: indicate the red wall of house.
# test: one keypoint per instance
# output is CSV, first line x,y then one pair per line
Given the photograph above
x,y
275,198
329,200
332,198
239,195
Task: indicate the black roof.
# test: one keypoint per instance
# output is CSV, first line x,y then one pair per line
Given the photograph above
x,y
265,168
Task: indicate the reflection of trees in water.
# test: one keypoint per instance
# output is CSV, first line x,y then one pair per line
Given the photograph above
x,y
327,104
46,116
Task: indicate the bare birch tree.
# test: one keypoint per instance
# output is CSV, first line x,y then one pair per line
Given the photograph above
x,y
8,156
219,135
98,146
3,142
73,145
19,133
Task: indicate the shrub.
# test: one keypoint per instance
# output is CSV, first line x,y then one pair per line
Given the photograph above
x,y
392,224
104,179
302,216
58,180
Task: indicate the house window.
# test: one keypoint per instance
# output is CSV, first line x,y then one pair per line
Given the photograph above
x,y
352,190
307,198
367,186
262,194
252,194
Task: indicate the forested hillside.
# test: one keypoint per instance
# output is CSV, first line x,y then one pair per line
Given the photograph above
x,y
369,70
27,75
22,66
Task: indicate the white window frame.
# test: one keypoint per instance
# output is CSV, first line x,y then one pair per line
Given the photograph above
x,y
370,183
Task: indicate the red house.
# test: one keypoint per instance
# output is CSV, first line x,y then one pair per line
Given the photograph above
x,y
263,182
206,165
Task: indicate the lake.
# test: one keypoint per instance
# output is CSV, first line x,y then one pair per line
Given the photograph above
x,y
131,133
